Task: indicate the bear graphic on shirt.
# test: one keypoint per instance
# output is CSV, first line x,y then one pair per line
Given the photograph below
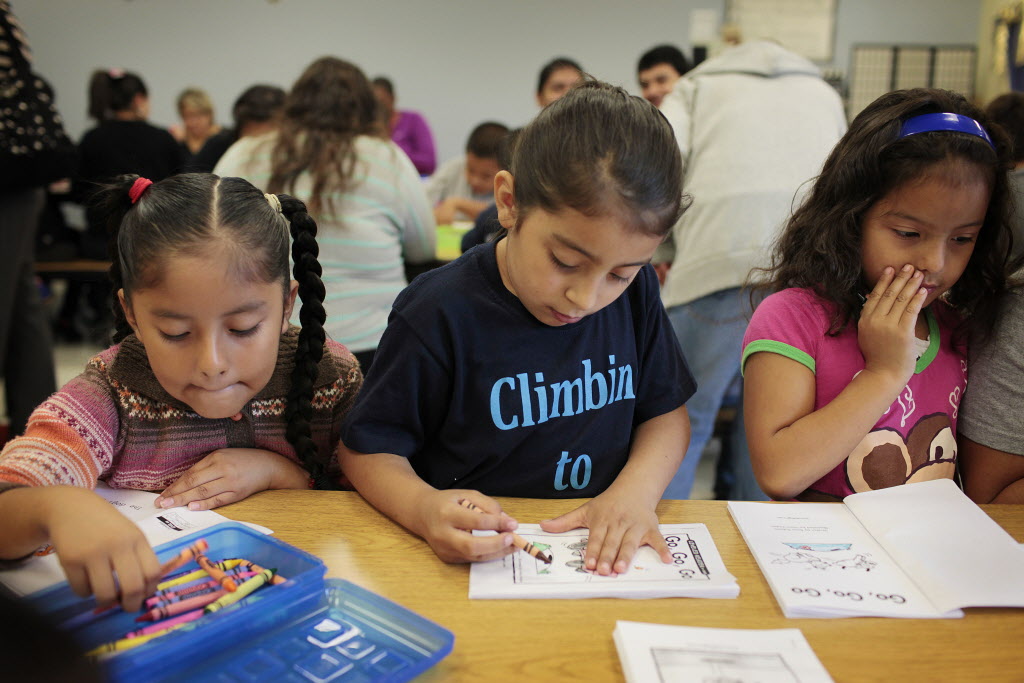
x,y
884,458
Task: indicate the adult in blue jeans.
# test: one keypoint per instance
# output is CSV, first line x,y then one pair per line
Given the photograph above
x,y
754,125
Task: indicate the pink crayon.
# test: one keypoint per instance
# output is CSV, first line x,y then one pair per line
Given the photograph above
x,y
172,610
164,625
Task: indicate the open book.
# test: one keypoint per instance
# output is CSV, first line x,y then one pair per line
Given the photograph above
x,y
919,550
697,570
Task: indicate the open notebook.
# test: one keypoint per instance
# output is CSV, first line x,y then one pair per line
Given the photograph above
x,y
920,550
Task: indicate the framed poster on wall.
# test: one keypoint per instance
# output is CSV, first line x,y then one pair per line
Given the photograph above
x,y
807,27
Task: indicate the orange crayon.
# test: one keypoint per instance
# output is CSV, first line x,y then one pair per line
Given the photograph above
x,y
217,573
195,574
517,540
197,548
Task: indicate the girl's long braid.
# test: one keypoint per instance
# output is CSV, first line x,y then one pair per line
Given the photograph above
x,y
307,271
115,203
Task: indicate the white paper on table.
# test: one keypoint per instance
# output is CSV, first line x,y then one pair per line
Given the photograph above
x,y
697,569
821,562
158,526
679,654
957,554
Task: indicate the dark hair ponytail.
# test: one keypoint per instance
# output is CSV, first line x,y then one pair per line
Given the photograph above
x,y
112,91
112,202
310,349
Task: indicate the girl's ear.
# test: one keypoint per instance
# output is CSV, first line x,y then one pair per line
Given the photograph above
x,y
504,199
127,308
289,304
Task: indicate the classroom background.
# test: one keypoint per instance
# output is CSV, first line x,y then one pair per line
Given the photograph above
x,y
460,62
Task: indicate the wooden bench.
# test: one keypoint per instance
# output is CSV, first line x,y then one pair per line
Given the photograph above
x,y
79,269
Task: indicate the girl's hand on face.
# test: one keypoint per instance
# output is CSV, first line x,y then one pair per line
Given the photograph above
x,y
232,474
886,330
618,525
95,542
447,526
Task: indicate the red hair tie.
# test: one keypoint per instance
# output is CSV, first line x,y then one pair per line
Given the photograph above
x,y
138,187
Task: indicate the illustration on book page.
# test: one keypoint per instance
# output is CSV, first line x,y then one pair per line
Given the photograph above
x,y
696,569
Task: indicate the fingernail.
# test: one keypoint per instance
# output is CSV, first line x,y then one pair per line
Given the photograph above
x,y
907,268
159,500
193,505
167,502
604,569
508,540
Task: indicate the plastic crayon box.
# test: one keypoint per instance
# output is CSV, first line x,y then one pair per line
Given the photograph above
x,y
272,613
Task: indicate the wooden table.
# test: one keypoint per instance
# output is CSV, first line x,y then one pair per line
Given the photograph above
x,y
549,640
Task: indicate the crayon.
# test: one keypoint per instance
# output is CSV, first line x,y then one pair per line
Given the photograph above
x,y
174,609
113,647
208,586
189,553
245,589
517,540
215,572
86,618
165,625
187,577
252,566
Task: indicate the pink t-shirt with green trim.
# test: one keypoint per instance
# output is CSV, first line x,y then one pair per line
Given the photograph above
x,y
915,440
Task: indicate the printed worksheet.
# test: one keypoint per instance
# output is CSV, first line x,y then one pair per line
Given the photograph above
x,y
680,654
820,562
696,570
917,550
158,526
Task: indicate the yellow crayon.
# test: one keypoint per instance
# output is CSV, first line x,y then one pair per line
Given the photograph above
x,y
517,540
197,574
115,646
245,589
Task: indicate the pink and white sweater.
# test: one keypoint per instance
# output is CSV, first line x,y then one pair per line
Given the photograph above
x,y
116,423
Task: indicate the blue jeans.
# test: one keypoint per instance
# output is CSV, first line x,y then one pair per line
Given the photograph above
x,y
710,331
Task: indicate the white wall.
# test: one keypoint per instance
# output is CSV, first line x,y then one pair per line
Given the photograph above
x,y
458,61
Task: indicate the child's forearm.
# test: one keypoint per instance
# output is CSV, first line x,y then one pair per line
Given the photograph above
x,y
389,483
796,455
659,445
24,512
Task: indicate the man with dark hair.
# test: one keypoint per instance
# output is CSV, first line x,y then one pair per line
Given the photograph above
x,y
255,112
658,70
464,186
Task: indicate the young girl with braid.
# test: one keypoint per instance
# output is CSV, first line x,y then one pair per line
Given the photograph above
x,y
208,395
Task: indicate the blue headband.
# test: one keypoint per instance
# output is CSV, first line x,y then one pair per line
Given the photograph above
x,y
931,122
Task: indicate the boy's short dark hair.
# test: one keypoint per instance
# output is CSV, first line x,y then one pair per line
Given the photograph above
x,y
1008,112
664,54
257,104
485,139
551,67
384,84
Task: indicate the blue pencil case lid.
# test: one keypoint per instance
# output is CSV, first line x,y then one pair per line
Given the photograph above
x,y
352,635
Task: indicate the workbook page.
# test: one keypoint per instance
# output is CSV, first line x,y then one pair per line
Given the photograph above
x,y
821,562
683,654
696,570
954,551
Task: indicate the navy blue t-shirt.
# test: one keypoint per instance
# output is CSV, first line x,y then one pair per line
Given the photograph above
x,y
477,393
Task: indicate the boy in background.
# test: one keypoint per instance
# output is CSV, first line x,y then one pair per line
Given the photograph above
x,y
658,70
464,186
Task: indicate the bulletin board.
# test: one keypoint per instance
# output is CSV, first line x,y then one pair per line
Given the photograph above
x,y
807,27
877,69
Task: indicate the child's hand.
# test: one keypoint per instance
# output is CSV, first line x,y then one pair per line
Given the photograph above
x,y
232,474
444,213
94,542
887,323
447,526
618,527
